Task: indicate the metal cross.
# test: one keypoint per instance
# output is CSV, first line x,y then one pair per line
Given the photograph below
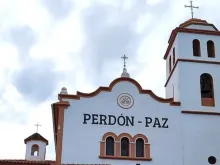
x,y
192,7
124,58
37,125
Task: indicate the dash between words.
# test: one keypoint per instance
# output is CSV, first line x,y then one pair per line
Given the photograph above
x,y
121,120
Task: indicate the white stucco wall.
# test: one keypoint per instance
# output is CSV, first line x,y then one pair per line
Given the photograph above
x,y
188,140
186,49
42,150
189,80
176,46
172,88
201,138
81,142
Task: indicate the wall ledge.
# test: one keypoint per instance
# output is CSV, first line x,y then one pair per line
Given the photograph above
x,y
200,112
125,158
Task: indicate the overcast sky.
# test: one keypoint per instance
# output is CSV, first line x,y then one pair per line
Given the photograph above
x,y
48,44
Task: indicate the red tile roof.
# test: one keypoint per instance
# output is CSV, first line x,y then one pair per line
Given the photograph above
x,y
22,161
37,162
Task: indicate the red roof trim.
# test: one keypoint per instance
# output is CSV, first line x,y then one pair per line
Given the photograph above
x,y
109,89
187,60
21,161
55,114
195,21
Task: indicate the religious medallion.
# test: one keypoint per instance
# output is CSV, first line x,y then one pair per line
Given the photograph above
x,y
125,100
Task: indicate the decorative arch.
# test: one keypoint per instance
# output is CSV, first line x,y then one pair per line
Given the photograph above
x,y
207,90
130,153
122,135
196,48
107,145
109,89
35,150
211,49
140,136
109,134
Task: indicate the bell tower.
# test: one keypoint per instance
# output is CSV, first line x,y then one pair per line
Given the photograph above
x,y
193,66
35,146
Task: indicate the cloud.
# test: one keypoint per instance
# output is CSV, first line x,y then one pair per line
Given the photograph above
x,y
12,105
58,9
23,38
113,30
36,80
108,37
153,2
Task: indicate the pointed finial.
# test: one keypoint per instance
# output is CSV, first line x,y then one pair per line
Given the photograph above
x,y
63,91
192,7
125,73
37,125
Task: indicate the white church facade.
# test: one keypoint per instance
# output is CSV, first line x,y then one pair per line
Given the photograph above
x,y
124,124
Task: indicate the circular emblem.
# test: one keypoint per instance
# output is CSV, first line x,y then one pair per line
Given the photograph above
x,y
125,100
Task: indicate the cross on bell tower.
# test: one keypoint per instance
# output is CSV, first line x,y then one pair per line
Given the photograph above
x,y
192,7
37,125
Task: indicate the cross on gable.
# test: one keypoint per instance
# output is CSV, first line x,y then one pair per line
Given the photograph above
x,y
192,7
124,58
37,125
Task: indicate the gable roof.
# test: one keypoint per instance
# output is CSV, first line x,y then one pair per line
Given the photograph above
x,y
36,136
195,21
